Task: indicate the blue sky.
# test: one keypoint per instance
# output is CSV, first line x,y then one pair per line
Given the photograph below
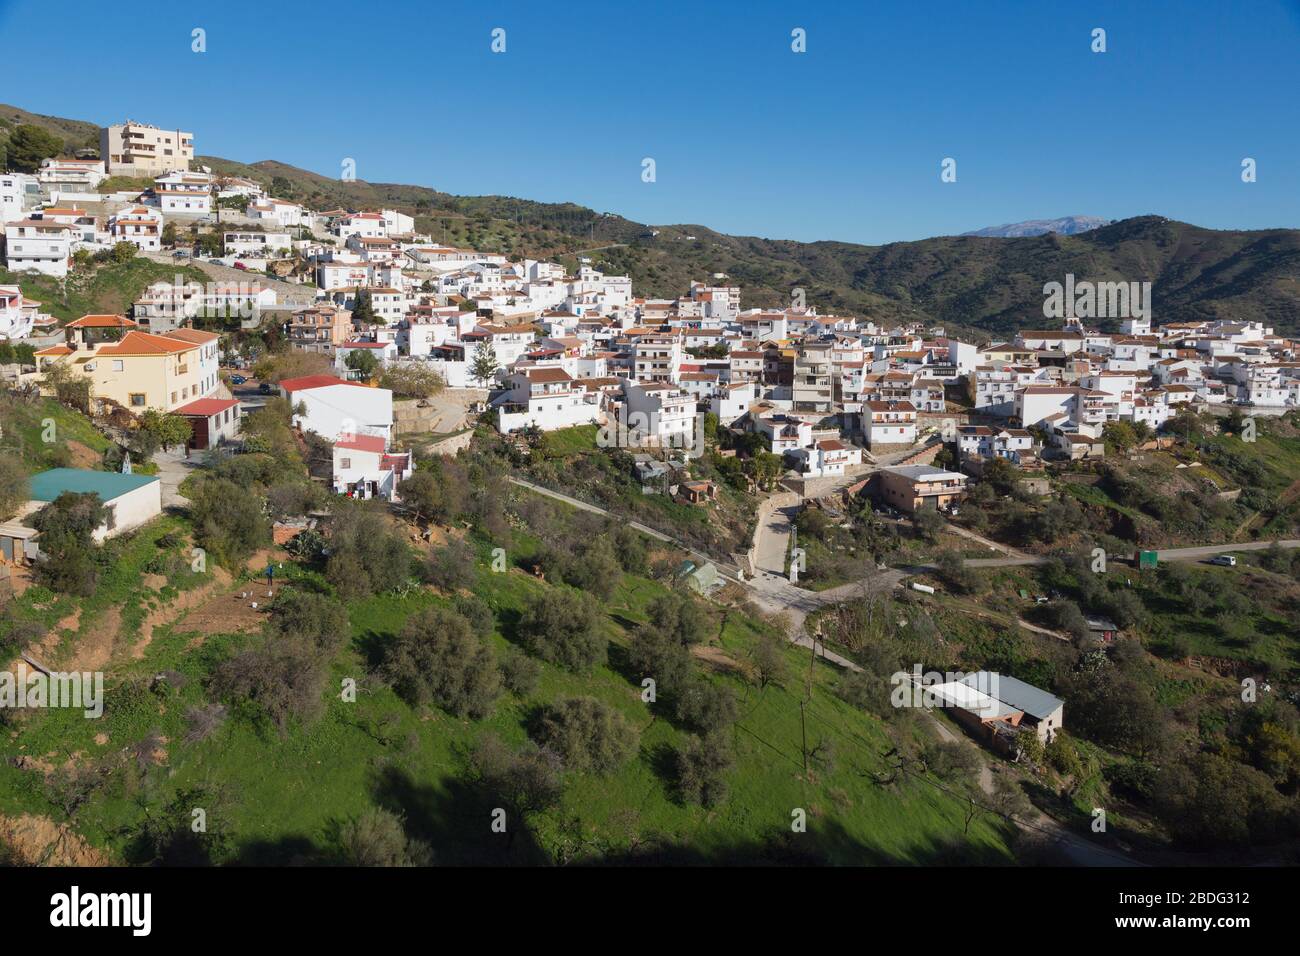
x,y
844,141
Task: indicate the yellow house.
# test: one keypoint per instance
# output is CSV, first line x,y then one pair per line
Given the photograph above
x,y
137,369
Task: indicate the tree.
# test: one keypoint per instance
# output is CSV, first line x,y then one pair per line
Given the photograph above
x,y
279,366
29,145
13,486
363,311
770,664
681,616
928,523
706,707
485,363
166,429
438,659
657,655
564,627
587,733
123,252
70,387
378,838
230,524
363,361
367,555
169,234
67,526
524,781
411,380
702,764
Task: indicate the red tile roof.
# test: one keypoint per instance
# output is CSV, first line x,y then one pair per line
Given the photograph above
x,y
315,381
371,443
207,407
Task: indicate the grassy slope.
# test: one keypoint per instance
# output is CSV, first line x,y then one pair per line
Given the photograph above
x,y
24,425
285,793
108,289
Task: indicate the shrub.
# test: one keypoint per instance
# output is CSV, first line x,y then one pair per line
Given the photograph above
x,y
564,627
702,764
438,659
587,733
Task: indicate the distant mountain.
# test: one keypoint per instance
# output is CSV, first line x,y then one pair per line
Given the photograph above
x,y
980,285
1065,226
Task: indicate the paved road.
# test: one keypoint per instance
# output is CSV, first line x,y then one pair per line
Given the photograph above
x,y
1168,554
173,468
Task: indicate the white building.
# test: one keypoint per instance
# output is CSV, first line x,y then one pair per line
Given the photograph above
x,y
826,459
334,408
658,413
889,423
138,225
256,245
39,245
185,194
546,398
365,468
18,194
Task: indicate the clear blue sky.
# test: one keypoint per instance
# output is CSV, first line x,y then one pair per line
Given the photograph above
x,y
844,141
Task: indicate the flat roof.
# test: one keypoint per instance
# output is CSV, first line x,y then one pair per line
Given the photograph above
x,y
48,485
1016,693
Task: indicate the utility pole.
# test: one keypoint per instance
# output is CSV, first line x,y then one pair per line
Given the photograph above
x,y
803,729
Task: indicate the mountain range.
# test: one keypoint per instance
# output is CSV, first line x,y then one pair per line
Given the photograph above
x,y
987,286
1065,226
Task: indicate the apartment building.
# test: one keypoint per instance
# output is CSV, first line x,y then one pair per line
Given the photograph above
x,y
138,149
319,328
886,424
39,245
256,245
544,398
138,225
812,389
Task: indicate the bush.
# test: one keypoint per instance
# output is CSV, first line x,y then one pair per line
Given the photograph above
x,y
564,627
587,733
438,659
655,654
67,526
13,486
706,707
702,764
450,568
475,610
229,523
520,673
367,555
680,616
378,838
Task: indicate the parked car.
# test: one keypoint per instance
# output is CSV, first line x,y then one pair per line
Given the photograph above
x,y
241,267
266,388
181,254
1224,560
237,380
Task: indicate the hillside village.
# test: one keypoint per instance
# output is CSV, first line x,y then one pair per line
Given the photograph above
x,y
788,462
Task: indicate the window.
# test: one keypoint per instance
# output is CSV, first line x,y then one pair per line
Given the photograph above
x,y
345,463
117,365
137,400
